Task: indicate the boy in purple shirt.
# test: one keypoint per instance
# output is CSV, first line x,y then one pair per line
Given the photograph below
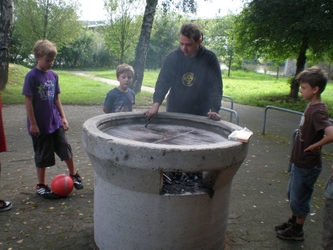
x,y
46,120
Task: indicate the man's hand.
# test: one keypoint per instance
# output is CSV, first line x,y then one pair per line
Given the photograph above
x,y
152,111
213,115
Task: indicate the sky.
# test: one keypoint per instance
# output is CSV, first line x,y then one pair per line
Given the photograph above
x,y
93,10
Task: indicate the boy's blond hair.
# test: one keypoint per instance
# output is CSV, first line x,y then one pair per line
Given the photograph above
x,y
124,68
45,48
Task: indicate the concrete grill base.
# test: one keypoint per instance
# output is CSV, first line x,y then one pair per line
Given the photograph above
x,y
130,212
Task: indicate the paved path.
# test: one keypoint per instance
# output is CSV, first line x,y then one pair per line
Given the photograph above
x,y
258,199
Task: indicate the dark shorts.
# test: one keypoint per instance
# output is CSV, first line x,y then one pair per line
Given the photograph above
x,y
46,145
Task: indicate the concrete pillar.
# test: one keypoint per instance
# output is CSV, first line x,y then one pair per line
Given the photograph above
x,y
129,210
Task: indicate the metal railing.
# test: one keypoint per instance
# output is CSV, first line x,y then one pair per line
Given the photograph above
x,y
295,131
281,109
291,148
277,108
231,101
231,110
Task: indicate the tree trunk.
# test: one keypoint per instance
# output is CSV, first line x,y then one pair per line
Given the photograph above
x,y
143,45
229,64
277,72
6,20
46,18
300,65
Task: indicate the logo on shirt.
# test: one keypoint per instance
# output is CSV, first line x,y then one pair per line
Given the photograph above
x,y
46,90
188,79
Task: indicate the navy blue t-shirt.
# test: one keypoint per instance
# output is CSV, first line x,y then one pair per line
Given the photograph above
x,y
118,101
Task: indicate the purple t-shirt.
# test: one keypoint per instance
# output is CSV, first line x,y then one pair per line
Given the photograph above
x,y
43,87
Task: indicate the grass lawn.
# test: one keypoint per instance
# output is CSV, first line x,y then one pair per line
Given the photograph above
x,y
250,88
246,88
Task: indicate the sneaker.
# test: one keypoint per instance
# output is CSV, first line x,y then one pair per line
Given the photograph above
x,y
45,191
283,226
290,234
77,180
5,205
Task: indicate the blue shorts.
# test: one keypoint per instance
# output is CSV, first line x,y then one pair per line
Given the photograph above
x,y
46,145
300,189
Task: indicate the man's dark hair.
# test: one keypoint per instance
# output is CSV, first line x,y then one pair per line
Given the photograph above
x,y
314,76
191,30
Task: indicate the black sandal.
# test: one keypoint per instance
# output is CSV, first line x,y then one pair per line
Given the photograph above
x,y
5,205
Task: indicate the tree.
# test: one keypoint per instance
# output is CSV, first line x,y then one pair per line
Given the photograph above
x,y
221,39
77,52
164,38
142,47
286,29
6,18
55,20
86,50
121,34
147,24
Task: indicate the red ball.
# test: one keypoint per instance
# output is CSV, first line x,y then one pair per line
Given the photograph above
x,y
62,185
